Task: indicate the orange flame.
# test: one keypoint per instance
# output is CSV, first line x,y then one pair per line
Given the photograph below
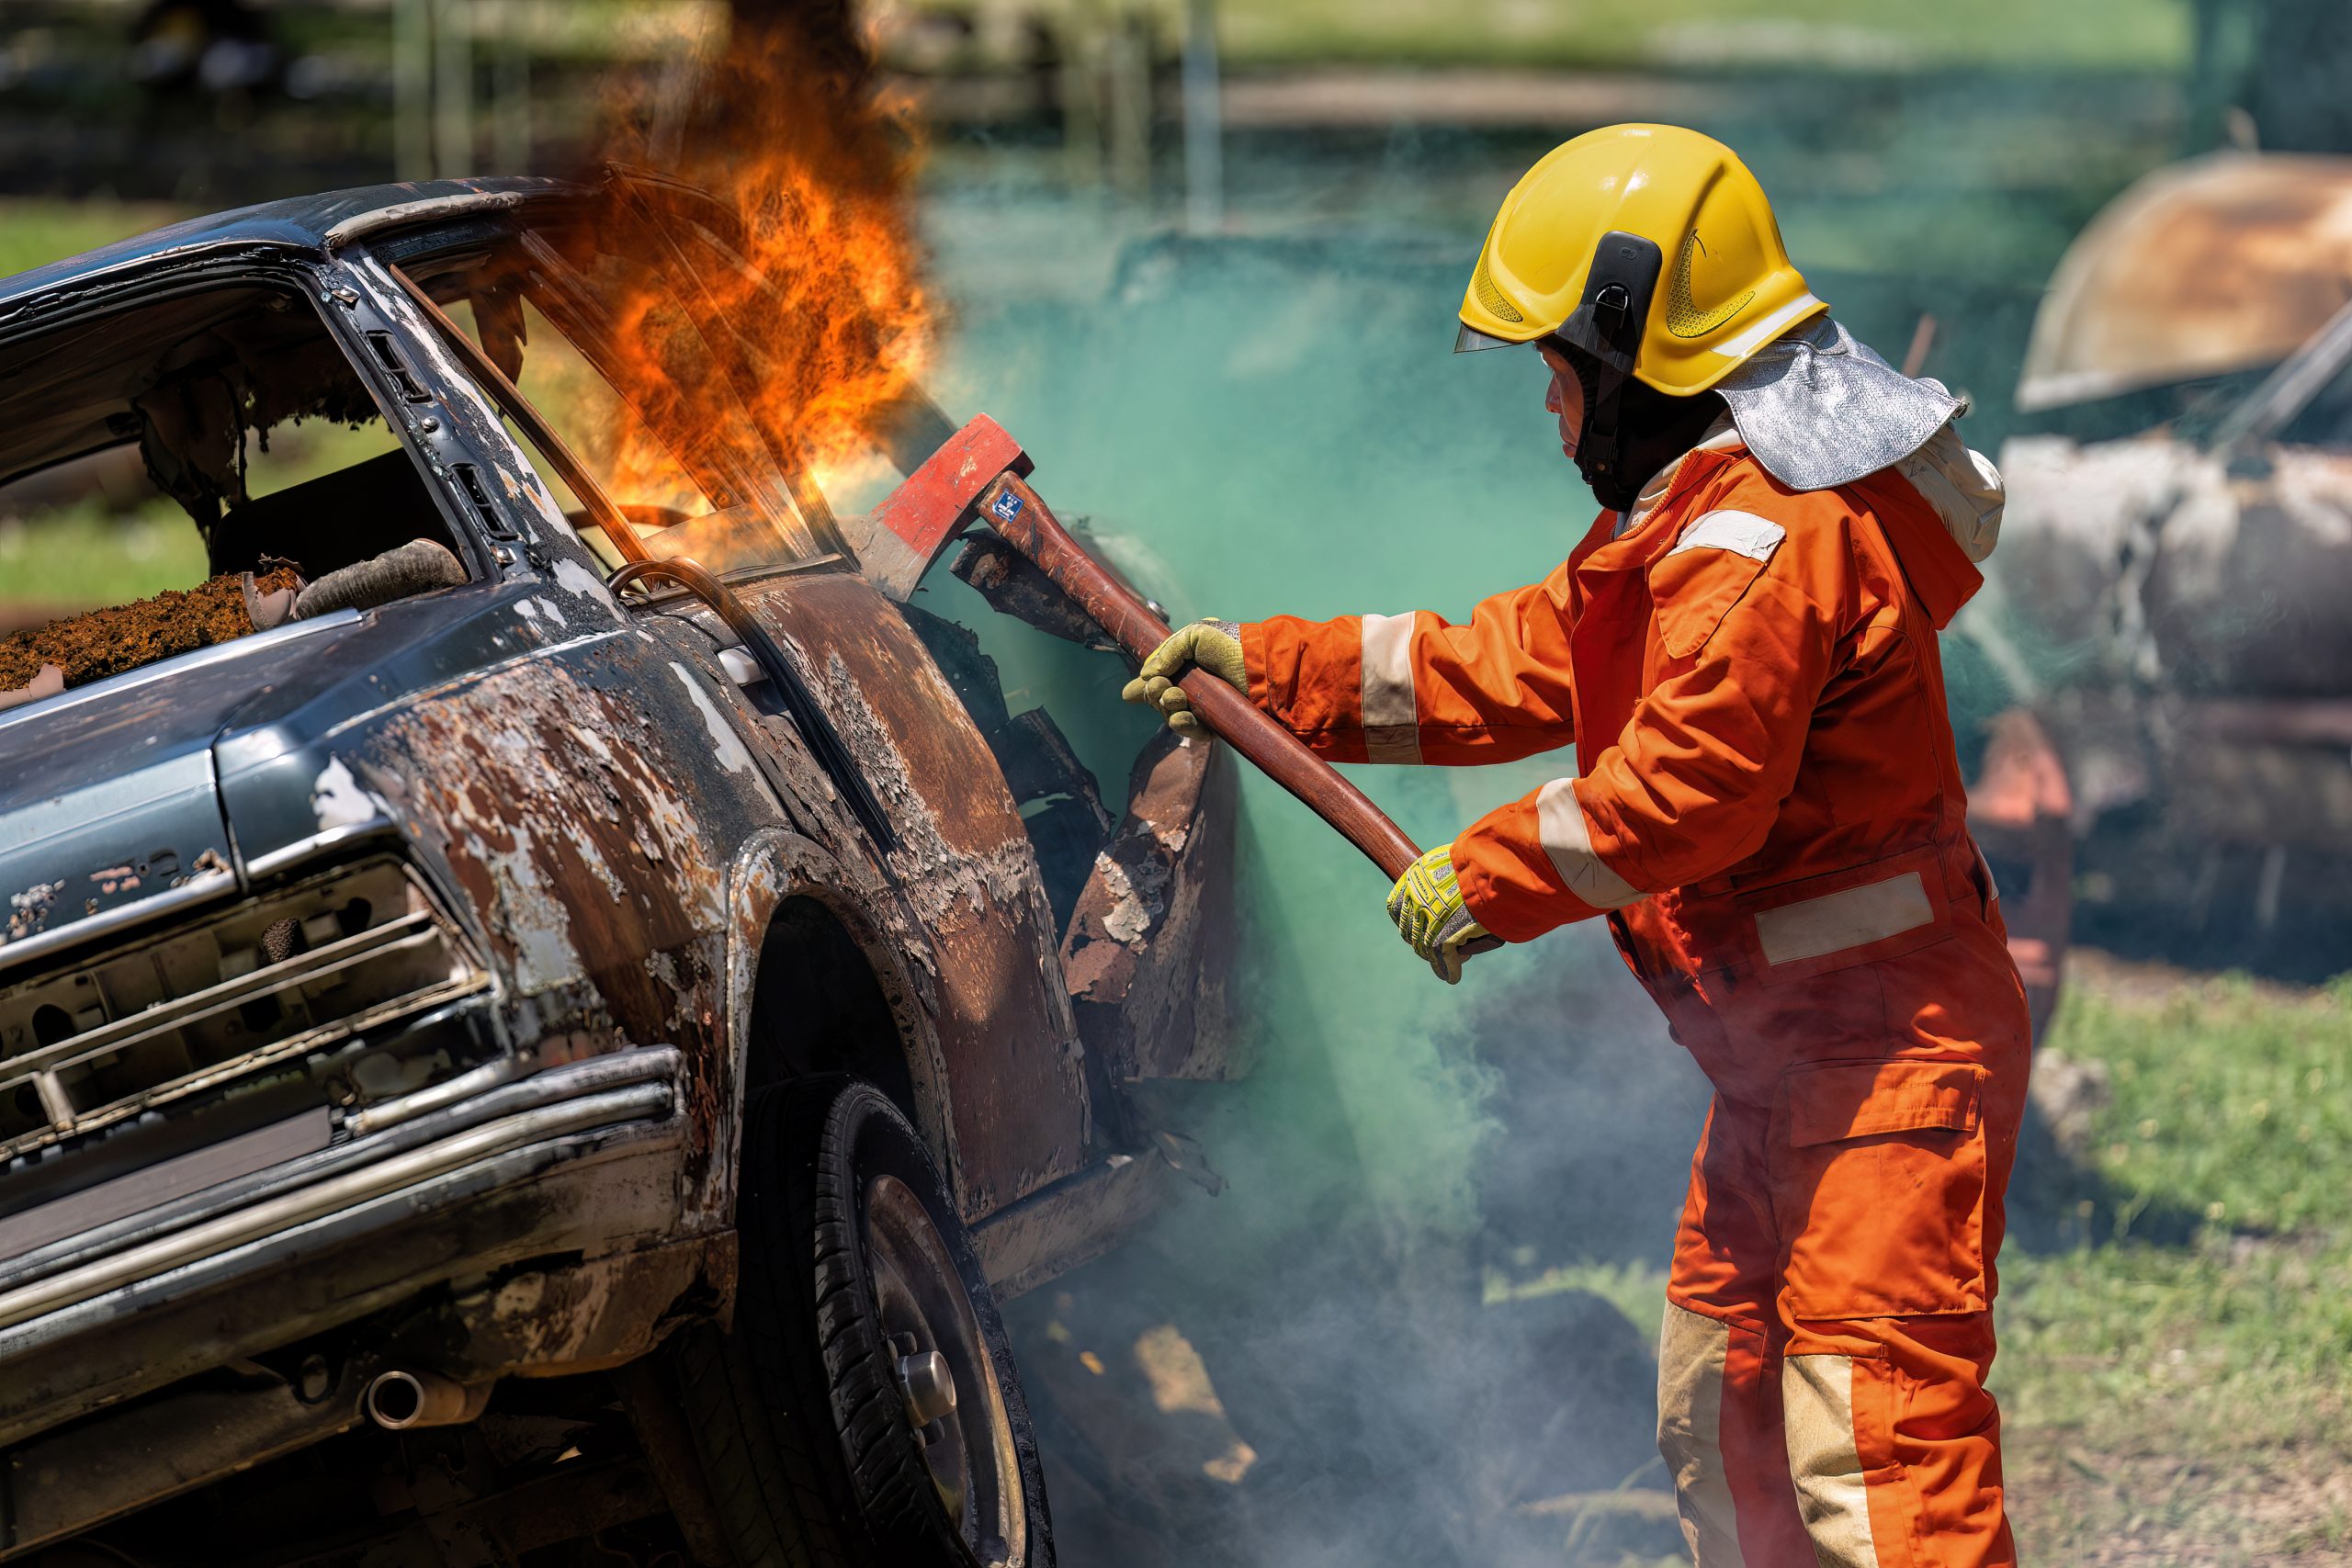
x,y
833,320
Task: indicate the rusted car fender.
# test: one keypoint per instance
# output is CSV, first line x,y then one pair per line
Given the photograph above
x,y
772,865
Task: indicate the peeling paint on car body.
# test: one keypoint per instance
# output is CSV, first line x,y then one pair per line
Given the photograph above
x,y
723,744
339,800
968,876
571,575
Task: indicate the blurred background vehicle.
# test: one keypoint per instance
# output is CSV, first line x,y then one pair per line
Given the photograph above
x,y
2177,558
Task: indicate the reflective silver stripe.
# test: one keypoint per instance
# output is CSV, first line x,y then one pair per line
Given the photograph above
x,y
1559,823
1741,533
1817,1406
1391,722
1768,329
1691,1350
1839,920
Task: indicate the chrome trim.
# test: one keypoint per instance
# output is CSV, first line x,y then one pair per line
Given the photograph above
x,y
659,1065
413,939
198,889
374,1118
68,1121
286,856
293,1247
406,930
177,665
319,1200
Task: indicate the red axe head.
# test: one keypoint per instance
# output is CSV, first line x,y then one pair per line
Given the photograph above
x,y
914,522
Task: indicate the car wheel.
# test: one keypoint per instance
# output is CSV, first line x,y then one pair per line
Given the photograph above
x,y
865,1408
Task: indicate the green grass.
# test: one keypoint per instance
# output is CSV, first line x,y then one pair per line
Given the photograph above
x,y
2228,1101
1712,34
34,230
2187,1403
79,558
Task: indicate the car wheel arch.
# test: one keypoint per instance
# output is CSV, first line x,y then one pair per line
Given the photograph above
x,y
798,915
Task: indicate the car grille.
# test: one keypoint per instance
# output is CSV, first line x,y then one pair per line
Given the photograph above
x,y
293,971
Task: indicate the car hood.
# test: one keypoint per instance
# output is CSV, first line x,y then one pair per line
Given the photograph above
x,y
110,803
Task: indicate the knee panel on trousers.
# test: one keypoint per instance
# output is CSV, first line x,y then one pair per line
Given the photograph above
x,y
1693,1353
1824,1459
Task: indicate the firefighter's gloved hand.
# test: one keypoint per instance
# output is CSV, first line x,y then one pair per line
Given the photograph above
x,y
1427,906
1212,644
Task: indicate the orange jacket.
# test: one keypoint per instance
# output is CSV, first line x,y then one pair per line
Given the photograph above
x,y
1767,790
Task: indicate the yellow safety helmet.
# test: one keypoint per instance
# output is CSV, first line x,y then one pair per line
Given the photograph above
x,y
1586,239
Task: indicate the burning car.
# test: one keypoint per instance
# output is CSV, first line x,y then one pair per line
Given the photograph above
x,y
2166,607
542,1002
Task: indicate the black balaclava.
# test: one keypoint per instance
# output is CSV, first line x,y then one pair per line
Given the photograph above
x,y
1653,428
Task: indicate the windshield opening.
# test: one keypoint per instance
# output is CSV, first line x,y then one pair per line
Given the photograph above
x,y
605,354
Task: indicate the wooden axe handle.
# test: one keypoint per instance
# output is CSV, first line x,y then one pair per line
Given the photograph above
x,y
1025,524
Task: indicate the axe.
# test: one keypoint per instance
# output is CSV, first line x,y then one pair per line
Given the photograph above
x,y
981,472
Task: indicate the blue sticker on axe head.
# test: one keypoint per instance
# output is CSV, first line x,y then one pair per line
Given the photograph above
x,y
1007,505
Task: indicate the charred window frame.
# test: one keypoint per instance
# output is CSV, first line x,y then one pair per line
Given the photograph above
x,y
573,472
354,325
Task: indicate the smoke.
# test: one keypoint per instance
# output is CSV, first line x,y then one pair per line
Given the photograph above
x,y
1261,428
1426,1298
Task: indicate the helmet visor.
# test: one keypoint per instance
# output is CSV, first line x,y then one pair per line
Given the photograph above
x,y
1470,340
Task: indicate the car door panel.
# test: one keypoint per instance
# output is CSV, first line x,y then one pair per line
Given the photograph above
x,y
965,867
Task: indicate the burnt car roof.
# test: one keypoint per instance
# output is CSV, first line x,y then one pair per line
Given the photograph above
x,y
300,223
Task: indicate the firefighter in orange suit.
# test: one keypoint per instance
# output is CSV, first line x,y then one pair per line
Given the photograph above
x,y
1768,813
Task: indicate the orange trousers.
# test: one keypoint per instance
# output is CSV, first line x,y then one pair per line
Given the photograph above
x,y
1829,1326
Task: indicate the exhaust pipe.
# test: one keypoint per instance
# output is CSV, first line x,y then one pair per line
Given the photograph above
x,y
403,1401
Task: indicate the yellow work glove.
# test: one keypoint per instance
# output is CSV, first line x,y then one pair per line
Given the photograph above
x,y
1427,906
1213,645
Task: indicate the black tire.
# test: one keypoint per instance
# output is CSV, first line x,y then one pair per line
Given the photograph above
x,y
798,1415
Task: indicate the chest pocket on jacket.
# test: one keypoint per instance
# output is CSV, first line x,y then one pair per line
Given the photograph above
x,y
1695,584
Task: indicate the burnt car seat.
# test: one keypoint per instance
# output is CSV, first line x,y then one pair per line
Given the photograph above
x,y
333,521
